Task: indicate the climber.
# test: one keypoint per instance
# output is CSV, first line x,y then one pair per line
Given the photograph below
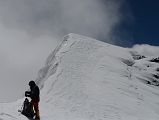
x,y
34,94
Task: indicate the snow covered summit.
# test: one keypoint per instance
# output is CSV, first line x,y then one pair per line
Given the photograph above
x,y
86,79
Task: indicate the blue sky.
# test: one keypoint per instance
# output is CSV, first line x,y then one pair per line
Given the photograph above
x,y
144,28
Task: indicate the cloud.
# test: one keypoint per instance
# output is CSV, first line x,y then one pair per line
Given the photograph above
x,y
31,29
147,50
21,56
94,18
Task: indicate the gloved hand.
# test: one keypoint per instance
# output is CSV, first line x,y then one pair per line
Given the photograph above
x,y
27,94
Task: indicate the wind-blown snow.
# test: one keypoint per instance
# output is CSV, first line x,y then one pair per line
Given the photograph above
x,y
85,79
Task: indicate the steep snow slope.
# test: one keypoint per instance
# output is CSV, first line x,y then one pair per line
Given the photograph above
x,y
85,79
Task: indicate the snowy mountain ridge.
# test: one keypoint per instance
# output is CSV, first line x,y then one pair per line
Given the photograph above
x,y
86,79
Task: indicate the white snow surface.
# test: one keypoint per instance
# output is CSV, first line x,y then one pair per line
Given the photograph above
x,y
86,79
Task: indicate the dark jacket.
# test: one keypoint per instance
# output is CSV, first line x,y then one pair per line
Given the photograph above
x,y
34,94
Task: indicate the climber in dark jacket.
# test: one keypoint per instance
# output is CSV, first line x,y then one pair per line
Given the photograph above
x,y
34,94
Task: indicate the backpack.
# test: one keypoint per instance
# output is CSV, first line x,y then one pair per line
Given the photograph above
x,y
27,109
